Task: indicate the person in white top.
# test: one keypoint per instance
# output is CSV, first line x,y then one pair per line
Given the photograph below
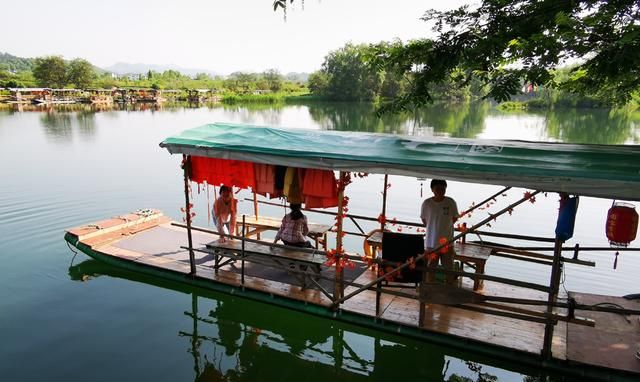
x,y
438,214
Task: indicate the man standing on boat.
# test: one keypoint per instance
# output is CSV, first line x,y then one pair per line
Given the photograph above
x,y
438,214
225,210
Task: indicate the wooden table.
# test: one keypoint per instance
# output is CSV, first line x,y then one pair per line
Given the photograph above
x,y
473,255
317,232
305,264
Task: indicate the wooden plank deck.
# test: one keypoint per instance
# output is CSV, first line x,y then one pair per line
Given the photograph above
x,y
614,340
154,242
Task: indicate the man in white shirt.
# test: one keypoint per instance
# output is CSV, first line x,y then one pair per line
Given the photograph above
x,y
438,214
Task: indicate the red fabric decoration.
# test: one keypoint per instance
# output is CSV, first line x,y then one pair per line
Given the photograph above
x,y
315,202
320,183
265,179
320,189
222,171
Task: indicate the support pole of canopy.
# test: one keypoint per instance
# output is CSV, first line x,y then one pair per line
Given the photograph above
x,y
255,210
186,160
244,232
554,286
338,284
384,201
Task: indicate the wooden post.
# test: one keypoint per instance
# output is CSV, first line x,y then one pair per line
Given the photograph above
x,y
338,284
255,211
384,200
186,160
243,235
554,286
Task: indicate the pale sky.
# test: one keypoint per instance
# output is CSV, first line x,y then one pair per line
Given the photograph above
x,y
222,36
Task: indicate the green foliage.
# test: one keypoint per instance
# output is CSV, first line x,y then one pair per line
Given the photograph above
x,y
80,73
50,72
513,105
273,79
503,43
319,83
348,76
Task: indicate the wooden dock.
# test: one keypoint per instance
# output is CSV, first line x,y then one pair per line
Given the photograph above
x,y
149,242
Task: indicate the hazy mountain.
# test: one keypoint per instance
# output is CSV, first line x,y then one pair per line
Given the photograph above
x,y
16,64
126,68
297,77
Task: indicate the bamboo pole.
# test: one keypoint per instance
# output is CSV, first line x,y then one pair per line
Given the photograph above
x,y
554,284
243,240
384,201
420,257
415,224
186,159
338,292
486,200
255,211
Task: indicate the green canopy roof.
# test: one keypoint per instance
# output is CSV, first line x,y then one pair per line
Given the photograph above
x,y
607,171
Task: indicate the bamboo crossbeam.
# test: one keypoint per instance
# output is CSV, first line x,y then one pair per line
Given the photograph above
x,y
417,224
524,284
486,200
249,240
523,257
420,257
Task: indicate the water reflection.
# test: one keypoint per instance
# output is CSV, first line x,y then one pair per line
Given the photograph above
x,y
597,126
235,339
57,125
465,120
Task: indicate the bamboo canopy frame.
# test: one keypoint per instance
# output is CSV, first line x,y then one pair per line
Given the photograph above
x,y
582,171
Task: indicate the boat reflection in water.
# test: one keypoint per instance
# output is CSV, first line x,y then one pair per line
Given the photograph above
x,y
234,339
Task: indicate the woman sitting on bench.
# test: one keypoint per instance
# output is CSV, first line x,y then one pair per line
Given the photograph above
x,y
294,229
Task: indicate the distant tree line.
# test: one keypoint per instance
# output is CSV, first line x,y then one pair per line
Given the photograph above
x,y
351,74
55,72
503,45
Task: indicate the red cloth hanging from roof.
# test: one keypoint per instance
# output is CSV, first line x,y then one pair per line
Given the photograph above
x,y
217,171
265,179
320,183
320,189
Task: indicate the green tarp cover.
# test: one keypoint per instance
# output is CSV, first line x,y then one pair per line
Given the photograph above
x,y
608,171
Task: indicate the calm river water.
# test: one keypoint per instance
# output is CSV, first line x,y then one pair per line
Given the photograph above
x,y
83,321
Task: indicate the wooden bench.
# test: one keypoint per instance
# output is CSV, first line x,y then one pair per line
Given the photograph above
x,y
256,225
305,264
473,255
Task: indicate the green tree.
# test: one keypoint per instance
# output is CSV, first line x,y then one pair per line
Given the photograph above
x,y
50,71
504,43
349,77
274,79
80,73
319,83
392,86
203,77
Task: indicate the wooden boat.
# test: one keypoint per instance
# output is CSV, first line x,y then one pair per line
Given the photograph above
x,y
28,95
527,323
59,97
98,97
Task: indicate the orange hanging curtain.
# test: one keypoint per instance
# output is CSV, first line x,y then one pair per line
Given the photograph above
x,y
222,171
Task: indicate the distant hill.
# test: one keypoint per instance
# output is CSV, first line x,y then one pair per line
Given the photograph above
x,y
15,64
297,77
126,68
21,64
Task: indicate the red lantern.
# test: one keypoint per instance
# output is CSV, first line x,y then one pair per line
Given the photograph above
x,y
622,224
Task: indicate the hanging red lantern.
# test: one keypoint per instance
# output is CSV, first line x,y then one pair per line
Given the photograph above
x,y
622,224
